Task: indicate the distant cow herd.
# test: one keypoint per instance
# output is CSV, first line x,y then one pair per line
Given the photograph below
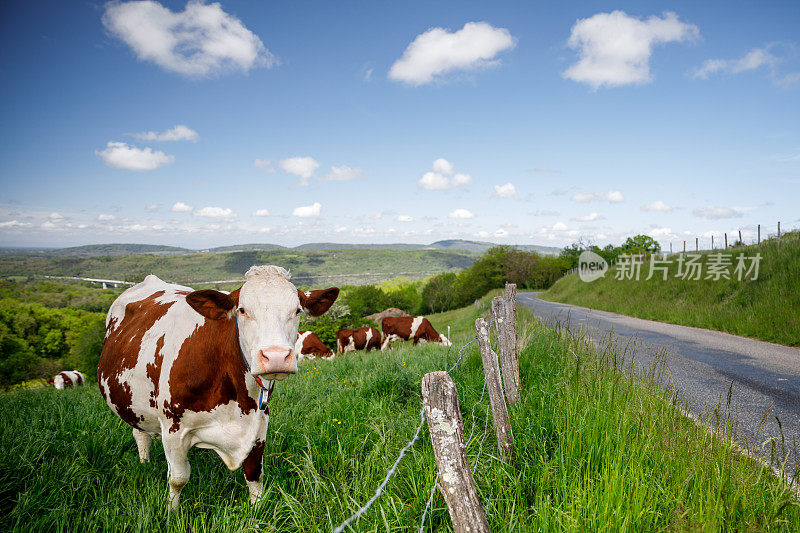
x,y
198,368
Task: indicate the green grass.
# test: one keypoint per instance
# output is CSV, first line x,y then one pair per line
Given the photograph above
x,y
767,309
350,266
595,450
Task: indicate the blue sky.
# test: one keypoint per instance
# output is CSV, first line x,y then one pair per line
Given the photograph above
x,y
396,122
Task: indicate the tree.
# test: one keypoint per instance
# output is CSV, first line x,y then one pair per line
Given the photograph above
x,y
641,244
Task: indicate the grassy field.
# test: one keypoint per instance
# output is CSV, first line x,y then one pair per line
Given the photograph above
x,y
596,449
767,308
349,266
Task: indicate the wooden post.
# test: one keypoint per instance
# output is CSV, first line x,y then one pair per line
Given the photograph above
x,y
447,435
779,233
726,240
684,248
712,242
696,244
740,237
505,440
505,344
759,235
670,247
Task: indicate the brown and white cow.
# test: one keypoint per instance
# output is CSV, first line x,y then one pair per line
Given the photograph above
x,y
416,328
348,340
195,368
68,378
308,346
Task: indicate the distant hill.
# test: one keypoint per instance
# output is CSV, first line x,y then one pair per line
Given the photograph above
x,y
96,250
246,248
93,250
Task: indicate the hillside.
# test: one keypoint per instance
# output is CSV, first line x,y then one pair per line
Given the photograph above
x,y
767,308
93,250
337,267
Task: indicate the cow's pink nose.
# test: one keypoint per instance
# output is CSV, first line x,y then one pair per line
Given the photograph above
x,y
277,360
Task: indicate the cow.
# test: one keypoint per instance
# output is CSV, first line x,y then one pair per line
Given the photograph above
x,y
308,346
348,340
416,328
68,378
197,368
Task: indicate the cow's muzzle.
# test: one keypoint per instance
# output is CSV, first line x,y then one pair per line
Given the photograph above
x,y
277,362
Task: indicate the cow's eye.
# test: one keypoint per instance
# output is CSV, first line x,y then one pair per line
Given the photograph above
x,y
299,310
242,311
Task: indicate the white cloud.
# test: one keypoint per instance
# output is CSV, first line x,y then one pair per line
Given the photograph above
x,y
302,167
343,173
559,226
588,218
615,48
613,197
661,232
443,166
658,205
482,234
339,229
438,52
545,213
121,155
180,207
714,213
308,211
104,218
461,213
261,213
14,224
214,212
264,164
442,177
753,60
404,218
55,217
177,133
501,233
504,191
201,40
153,207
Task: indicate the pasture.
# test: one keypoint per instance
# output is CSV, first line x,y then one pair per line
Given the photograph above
x,y
596,449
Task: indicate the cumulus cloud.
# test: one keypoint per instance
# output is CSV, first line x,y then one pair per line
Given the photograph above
x,y
180,207
343,173
264,164
121,155
504,191
713,212
501,233
589,218
102,217
153,208
202,40
261,213
443,177
302,167
404,218
658,205
177,133
461,213
214,212
613,197
438,51
614,48
339,229
308,211
11,224
559,226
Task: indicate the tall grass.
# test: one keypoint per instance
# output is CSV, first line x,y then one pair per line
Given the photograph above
x,y
596,449
767,308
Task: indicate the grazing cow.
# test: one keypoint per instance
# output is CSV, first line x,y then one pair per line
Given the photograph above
x,y
196,368
308,346
416,328
68,378
348,340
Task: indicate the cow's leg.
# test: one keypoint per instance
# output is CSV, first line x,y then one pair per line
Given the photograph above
x,y
338,347
254,471
385,346
178,468
142,444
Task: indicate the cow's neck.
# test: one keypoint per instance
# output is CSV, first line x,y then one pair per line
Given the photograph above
x,y
258,389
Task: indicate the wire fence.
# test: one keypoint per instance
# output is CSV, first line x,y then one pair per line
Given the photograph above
x,y
393,469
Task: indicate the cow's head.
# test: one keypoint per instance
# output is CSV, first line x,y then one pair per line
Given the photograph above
x,y
444,340
267,311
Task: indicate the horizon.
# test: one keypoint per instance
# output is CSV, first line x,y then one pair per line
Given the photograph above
x,y
201,125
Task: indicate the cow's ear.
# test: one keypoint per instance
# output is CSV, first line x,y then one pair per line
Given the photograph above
x,y
317,302
213,304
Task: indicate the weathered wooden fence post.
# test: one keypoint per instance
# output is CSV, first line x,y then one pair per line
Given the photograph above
x,y
504,311
726,241
712,242
447,435
505,440
696,244
759,235
779,233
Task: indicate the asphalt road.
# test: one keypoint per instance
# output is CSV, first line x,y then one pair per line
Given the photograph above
x,y
702,365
